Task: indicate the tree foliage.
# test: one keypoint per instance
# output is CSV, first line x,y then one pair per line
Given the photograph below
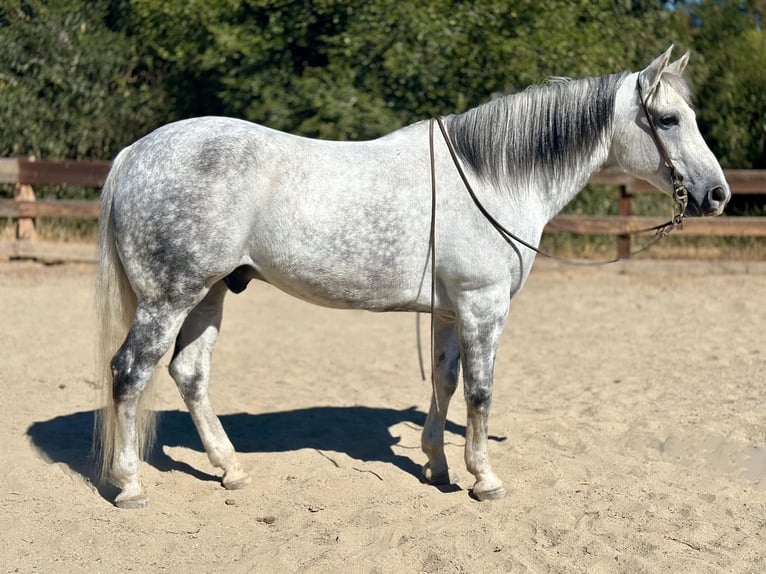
x,y
353,70
68,82
730,77
82,79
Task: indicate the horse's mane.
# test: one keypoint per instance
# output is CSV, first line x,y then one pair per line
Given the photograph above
x,y
543,130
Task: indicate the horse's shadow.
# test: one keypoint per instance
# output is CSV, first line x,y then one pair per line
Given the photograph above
x,y
362,433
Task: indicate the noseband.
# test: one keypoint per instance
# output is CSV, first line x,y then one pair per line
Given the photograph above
x,y
680,194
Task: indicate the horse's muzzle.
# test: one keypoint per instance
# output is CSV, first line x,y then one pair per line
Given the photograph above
x,y
712,204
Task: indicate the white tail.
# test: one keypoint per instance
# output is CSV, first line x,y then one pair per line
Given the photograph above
x,y
115,308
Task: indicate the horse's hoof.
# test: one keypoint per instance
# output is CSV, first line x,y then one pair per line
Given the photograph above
x,y
442,478
483,493
132,502
236,480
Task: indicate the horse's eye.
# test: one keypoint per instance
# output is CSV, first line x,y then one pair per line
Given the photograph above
x,y
669,120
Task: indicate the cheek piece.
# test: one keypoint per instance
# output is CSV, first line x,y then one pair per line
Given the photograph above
x,y
680,193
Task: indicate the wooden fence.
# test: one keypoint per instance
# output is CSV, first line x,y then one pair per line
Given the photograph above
x,y
622,225
25,173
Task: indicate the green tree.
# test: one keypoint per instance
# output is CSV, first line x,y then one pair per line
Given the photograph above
x,y
68,82
82,79
729,77
357,69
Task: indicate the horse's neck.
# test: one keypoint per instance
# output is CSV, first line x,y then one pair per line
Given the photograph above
x,y
541,146
562,189
549,191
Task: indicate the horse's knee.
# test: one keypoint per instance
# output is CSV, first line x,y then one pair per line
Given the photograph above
x,y
478,397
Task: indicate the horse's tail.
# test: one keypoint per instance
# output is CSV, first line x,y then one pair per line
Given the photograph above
x,y
115,308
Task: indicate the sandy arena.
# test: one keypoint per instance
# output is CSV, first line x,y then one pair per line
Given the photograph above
x,y
628,425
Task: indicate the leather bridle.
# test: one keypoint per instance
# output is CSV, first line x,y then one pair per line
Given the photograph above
x,y
680,193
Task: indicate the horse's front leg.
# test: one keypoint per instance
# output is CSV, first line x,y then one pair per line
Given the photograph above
x,y
482,318
446,369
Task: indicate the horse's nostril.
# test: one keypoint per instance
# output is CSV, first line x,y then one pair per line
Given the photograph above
x,y
718,195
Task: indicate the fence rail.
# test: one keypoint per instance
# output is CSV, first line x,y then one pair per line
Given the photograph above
x,y
83,173
25,173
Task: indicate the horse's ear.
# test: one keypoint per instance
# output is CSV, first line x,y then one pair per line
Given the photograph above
x,y
679,65
650,77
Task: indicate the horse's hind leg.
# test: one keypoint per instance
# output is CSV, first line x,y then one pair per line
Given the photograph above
x,y
446,369
190,368
149,337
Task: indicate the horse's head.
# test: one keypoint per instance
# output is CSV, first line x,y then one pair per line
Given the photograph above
x,y
659,95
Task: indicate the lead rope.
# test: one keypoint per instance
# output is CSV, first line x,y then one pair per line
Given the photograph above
x,y
433,257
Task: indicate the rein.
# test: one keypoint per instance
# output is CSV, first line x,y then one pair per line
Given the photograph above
x,y
680,198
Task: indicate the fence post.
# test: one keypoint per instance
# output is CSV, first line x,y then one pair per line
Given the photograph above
x,y
25,226
624,209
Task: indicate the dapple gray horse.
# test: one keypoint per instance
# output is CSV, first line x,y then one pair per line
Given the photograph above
x,y
203,206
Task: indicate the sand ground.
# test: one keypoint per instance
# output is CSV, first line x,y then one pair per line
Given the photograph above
x,y
628,426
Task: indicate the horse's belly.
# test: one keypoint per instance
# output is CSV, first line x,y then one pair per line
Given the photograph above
x,y
342,287
355,261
